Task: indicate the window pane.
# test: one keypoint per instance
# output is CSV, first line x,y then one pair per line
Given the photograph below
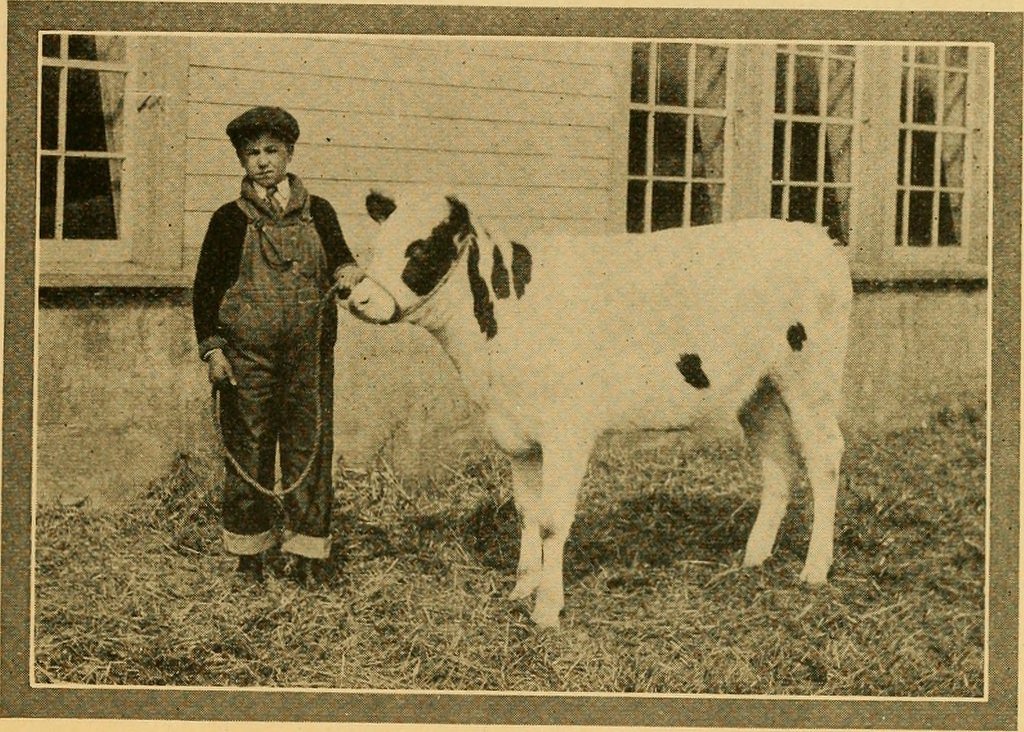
x,y
956,56
47,197
710,91
669,144
840,88
49,108
928,55
838,143
706,206
779,151
667,205
51,45
96,48
952,173
950,212
708,147
804,160
635,206
900,161
673,63
922,158
836,213
808,85
92,197
95,107
641,65
926,85
841,50
803,204
637,142
955,103
900,197
903,96
810,48
920,233
781,72
777,202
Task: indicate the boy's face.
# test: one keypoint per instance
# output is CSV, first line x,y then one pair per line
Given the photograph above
x,y
266,159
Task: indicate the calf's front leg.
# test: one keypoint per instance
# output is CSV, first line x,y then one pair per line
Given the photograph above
x,y
526,483
564,466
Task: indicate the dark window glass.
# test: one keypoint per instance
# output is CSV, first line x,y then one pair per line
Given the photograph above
x,y
781,72
922,158
637,142
47,197
641,66
89,185
635,206
706,206
803,204
51,45
667,205
669,144
920,228
779,151
49,108
673,67
804,153
807,93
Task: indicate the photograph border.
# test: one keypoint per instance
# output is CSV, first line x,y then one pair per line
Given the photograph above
x,y
19,699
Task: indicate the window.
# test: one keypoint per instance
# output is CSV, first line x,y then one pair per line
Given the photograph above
x,y
932,145
111,162
81,136
813,136
677,116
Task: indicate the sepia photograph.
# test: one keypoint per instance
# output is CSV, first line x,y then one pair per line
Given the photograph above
x,y
507,365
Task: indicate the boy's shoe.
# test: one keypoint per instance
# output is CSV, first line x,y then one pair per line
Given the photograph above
x,y
310,573
250,569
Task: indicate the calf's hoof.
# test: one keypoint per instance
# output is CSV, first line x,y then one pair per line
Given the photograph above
x,y
545,616
814,575
525,586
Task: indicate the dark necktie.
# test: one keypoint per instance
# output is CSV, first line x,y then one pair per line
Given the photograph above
x,y
272,201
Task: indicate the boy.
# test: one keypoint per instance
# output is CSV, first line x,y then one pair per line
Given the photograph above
x,y
266,324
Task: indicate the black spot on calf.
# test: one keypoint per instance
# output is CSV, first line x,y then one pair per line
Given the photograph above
x,y
428,260
522,268
689,366
796,335
499,276
483,308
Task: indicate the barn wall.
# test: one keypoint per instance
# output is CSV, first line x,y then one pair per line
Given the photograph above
x,y
500,121
121,391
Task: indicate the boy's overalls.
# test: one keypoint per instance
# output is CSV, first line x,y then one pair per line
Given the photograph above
x,y
281,329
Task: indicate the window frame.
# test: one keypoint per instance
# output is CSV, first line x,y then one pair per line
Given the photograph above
x,y
149,248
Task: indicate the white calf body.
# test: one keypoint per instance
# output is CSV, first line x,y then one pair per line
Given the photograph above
x,y
673,329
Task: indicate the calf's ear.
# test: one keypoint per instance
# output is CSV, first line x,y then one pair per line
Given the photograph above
x,y
459,218
379,206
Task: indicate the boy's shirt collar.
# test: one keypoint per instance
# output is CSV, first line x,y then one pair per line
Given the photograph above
x,y
284,191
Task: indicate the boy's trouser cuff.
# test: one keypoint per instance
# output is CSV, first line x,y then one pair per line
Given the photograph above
x,y
247,543
313,547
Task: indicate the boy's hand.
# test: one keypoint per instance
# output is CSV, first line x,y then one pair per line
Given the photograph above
x,y
220,372
346,277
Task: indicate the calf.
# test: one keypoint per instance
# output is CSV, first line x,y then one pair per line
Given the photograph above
x,y
567,337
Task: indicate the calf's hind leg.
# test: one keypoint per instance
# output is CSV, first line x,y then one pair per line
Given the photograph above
x,y
766,425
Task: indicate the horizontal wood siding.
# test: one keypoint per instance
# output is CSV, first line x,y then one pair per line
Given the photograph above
x,y
521,129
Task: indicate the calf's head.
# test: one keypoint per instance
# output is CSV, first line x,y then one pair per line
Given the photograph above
x,y
417,244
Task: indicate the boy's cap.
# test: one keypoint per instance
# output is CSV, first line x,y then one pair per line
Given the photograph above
x,y
263,120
